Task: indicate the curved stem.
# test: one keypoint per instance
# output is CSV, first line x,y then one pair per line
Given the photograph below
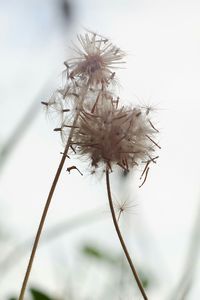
x,y
48,201
121,238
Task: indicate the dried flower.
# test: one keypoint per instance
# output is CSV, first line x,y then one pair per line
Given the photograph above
x,y
110,135
96,60
87,76
92,99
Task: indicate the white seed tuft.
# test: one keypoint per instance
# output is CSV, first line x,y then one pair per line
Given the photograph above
x,y
111,135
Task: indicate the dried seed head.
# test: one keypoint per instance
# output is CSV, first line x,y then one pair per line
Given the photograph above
x,y
92,67
95,61
113,135
93,99
90,115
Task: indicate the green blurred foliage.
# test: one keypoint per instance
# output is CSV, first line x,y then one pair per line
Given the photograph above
x,y
38,295
145,280
92,251
98,254
114,263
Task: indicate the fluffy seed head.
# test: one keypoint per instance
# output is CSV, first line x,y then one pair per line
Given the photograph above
x,y
93,66
96,58
110,135
89,114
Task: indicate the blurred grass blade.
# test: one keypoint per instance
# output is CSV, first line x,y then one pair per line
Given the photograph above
x,y
99,254
20,251
23,125
38,295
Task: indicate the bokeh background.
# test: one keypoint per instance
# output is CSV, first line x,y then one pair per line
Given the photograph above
x,y
79,256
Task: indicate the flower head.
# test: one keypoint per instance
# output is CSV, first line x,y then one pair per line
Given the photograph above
x,y
95,60
110,135
87,75
91,121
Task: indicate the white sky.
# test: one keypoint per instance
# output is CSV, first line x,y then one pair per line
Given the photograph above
x,y
162,39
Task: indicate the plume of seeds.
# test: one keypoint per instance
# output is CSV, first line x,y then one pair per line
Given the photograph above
x,y
116,135
92,66
104,132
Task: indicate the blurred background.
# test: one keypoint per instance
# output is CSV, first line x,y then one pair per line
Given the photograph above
x,y
79,256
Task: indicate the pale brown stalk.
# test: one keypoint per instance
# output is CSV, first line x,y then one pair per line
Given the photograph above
x,y
48,201
139,283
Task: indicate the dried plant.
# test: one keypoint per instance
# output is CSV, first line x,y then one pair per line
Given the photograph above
x,y
94,124
110,135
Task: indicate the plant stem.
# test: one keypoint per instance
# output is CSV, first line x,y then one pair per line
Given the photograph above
x,y
48,201
18,252
121,238
41,224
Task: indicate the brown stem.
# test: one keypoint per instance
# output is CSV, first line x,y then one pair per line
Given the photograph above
x,y
44,214
121,238
48,201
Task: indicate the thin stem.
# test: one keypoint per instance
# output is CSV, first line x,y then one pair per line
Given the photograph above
x,y
18,252
48,201
41,224
121,238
